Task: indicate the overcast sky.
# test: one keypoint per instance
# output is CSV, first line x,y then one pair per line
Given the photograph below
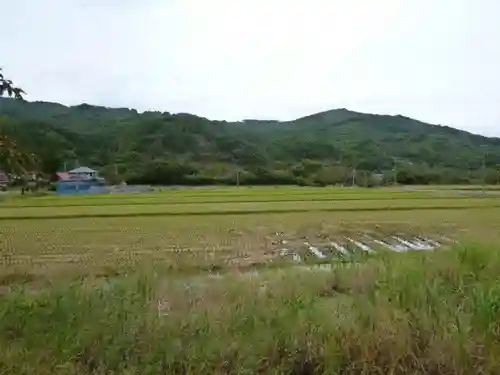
x,y
437,61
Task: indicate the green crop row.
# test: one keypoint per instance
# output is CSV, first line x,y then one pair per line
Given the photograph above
x,y
177,199
245,208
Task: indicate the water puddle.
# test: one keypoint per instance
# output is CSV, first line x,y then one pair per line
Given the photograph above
x,y
341,249
362,246
315,251
369,243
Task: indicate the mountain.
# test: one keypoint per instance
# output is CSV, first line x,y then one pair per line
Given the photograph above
x,y
323,148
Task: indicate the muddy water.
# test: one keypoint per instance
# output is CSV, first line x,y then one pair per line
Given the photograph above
x,y
321,250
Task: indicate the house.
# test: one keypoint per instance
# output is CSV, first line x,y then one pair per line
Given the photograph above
x,y
4,180
82,180
83,173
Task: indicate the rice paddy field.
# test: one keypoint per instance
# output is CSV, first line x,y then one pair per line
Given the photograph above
x,y
252,281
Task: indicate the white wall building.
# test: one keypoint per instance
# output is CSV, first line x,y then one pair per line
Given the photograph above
x,y
83,173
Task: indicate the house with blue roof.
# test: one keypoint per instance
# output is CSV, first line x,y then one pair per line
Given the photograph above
x,y
81,180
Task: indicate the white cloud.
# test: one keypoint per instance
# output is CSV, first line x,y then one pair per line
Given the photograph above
x,y
234,59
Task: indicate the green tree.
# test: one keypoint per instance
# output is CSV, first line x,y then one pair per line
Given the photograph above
x,y
7,87
17,162
13,159
164,148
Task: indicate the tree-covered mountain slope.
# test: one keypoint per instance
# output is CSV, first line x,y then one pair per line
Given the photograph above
x,y
323,148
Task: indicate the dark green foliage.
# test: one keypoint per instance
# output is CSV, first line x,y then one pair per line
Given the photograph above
x,y
7,87
321,149
13,160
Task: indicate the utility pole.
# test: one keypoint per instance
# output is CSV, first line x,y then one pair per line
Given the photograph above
x,y
354,171
483,172
395,170
237,178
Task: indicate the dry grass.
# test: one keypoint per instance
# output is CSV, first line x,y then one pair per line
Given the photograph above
x,y
424,313
176,295
76,247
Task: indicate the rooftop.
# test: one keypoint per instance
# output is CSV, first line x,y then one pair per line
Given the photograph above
x,y
63,176
82,170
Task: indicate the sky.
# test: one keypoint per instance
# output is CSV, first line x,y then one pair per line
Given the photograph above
x,y
436,61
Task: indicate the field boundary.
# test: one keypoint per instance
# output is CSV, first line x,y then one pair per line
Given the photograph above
x,y
249,212
271,199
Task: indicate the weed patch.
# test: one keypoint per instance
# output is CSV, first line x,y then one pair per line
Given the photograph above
x,y
420,313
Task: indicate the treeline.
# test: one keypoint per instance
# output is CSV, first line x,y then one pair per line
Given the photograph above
x,y
175,173
335,147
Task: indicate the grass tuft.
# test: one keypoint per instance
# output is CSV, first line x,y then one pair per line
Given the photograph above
x,y
421,313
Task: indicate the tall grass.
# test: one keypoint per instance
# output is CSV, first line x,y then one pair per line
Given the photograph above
x,y
422,313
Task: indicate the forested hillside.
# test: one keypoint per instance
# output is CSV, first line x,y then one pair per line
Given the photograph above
x,y
324,148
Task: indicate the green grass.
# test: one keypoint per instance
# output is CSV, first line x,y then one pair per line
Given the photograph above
x,y
432,313
458,187
241,208
203,198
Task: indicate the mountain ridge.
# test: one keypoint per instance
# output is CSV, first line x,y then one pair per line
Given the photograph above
x,y
350,113
321,148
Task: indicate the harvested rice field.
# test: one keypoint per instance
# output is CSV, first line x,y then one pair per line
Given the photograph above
x,y
228,228
213,281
